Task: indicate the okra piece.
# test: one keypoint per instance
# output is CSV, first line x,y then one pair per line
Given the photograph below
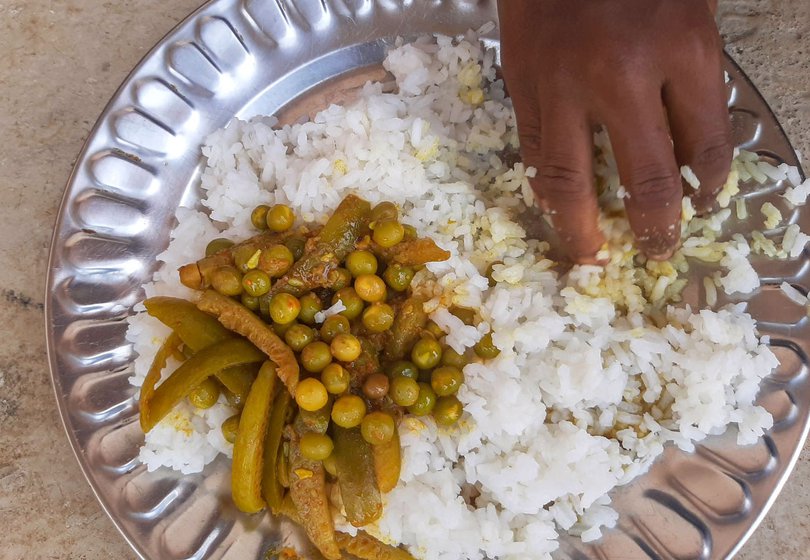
x,y
407,328
366,547
199,330
169,347
272,487
248,449
412,253
354,461
325,252
240,319
196,328
192,372
388,463
197,275
362,546
308,492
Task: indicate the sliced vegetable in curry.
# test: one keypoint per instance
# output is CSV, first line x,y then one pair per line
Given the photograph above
x,y
345,348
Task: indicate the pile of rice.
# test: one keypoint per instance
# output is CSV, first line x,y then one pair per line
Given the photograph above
x,y
598,371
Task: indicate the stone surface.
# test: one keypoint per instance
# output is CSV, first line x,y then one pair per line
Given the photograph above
x,y
59,64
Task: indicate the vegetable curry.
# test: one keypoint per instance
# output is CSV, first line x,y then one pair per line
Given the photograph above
x,y
315,337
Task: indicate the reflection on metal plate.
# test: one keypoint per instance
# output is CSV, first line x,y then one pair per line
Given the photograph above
x,y
253,57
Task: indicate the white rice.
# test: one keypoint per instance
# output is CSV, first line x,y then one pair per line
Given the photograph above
x,y
773,217
592,381
797,195
711,291
793,294
690,177
334,309
741,209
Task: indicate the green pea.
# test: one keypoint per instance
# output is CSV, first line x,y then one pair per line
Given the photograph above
x,y
315,356
246,257
403,368
434,330
485,348
227,281
376,386
339,278
425,401
216,245
249,301
296,245
348,411
447,410
466,315
354,304
490,270
310,394
398,277
361,262
281,328
370,288
276,260
330,465
404,391
310,305
264,306
426,353
388,233
316,447
335,378
378,317
333,326
259,216
345,347
410,232
377,428
284,308
384,211
452,358
446,380
230,427
280,218
256,283
204,395
298,336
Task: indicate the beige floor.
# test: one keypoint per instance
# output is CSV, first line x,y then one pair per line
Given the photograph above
x,y
59,64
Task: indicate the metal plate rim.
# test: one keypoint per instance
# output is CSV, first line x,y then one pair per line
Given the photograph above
x,y
49,305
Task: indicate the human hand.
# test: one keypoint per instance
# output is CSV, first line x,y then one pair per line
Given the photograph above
x,y
650,72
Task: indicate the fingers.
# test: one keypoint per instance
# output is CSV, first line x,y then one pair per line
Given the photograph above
x,y
648,170
698,117
527,112
565,181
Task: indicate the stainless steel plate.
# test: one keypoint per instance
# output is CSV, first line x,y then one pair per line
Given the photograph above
x,y
249,57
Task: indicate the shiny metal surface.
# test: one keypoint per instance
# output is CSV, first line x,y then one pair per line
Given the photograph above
x,y
249,57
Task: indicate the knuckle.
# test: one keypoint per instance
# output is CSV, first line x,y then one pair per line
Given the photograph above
x,y
529,142
711,163
655,186
713,151
710,159
562,180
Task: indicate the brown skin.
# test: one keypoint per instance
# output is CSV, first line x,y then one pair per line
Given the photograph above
x,y
650,71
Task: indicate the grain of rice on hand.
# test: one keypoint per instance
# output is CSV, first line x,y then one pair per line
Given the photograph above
x,y
588,374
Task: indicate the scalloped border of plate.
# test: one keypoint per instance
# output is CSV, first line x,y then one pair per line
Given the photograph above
x,y
166,96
